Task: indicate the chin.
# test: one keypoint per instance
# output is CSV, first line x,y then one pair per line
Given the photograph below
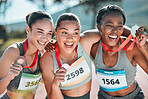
x,y
40,48
68,52
113,44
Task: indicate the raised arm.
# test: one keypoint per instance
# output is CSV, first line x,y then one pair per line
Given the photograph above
x,y
141,52
88,38
141,41
8,70
51,80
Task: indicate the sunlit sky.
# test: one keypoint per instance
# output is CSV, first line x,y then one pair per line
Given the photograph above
x,y
20,8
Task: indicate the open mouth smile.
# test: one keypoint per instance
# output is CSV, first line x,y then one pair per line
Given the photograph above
x,y
69,45
113,38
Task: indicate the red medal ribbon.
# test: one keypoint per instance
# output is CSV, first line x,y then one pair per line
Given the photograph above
x,y
58,55
122,44
35,58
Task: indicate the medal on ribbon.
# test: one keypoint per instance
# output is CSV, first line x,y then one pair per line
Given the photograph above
x,y
65,66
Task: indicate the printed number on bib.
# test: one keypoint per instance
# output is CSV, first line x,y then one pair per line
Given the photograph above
x,y
29,81
30,84
111,80
78,72
75,73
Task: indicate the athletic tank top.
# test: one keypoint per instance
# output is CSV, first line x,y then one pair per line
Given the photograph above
x,y
14,84
122,64
82,56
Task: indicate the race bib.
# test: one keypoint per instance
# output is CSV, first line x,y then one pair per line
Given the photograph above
x,y
29,81
111,80
77,72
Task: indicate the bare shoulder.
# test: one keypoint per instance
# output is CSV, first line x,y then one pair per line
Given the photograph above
x,y
94,49
135,55
46,61
135,49
140,58
11,53
47,69
8,58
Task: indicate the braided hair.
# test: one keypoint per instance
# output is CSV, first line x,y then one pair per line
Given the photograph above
x,y
103,12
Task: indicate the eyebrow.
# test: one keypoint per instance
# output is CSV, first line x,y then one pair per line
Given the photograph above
x,y
67,29
112,22
42,29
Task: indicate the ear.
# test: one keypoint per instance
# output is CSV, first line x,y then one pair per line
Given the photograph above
x,y
27,29
99,27
55,32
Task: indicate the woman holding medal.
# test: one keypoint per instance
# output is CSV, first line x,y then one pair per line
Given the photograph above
x,y
19,68
67,71
116,67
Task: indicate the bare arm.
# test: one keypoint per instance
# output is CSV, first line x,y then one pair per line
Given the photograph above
x,y
7,70
141,41
88,38
140,59
126,31
51,80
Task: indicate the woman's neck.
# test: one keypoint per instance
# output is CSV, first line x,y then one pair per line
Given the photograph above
x,y
110,53
31,49
68,58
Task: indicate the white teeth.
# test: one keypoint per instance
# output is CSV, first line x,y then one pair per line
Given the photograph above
x,y
69,44
114,37
41,43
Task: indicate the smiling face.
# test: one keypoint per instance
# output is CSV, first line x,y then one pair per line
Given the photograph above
x,y
111,29
40,33
68,35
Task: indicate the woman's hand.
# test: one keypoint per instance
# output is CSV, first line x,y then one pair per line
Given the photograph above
x,y
16,68
141,37
59,76
50,46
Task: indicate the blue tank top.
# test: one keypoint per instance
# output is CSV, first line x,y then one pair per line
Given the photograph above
x,y
81,52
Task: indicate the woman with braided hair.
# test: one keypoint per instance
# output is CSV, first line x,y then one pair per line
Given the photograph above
x,y
116,65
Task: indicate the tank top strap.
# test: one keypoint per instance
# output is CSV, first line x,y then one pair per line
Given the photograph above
x,y
21,49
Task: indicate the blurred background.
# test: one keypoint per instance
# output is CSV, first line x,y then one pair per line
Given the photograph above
x,y
13,13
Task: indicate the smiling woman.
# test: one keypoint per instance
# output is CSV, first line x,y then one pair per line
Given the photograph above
x,y
116,69
19,67
68,74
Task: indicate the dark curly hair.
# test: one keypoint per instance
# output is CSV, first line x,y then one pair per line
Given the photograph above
x,y
107,10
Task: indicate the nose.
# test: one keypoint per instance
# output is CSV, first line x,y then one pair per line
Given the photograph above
x,y
115,29
70,36
44,37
